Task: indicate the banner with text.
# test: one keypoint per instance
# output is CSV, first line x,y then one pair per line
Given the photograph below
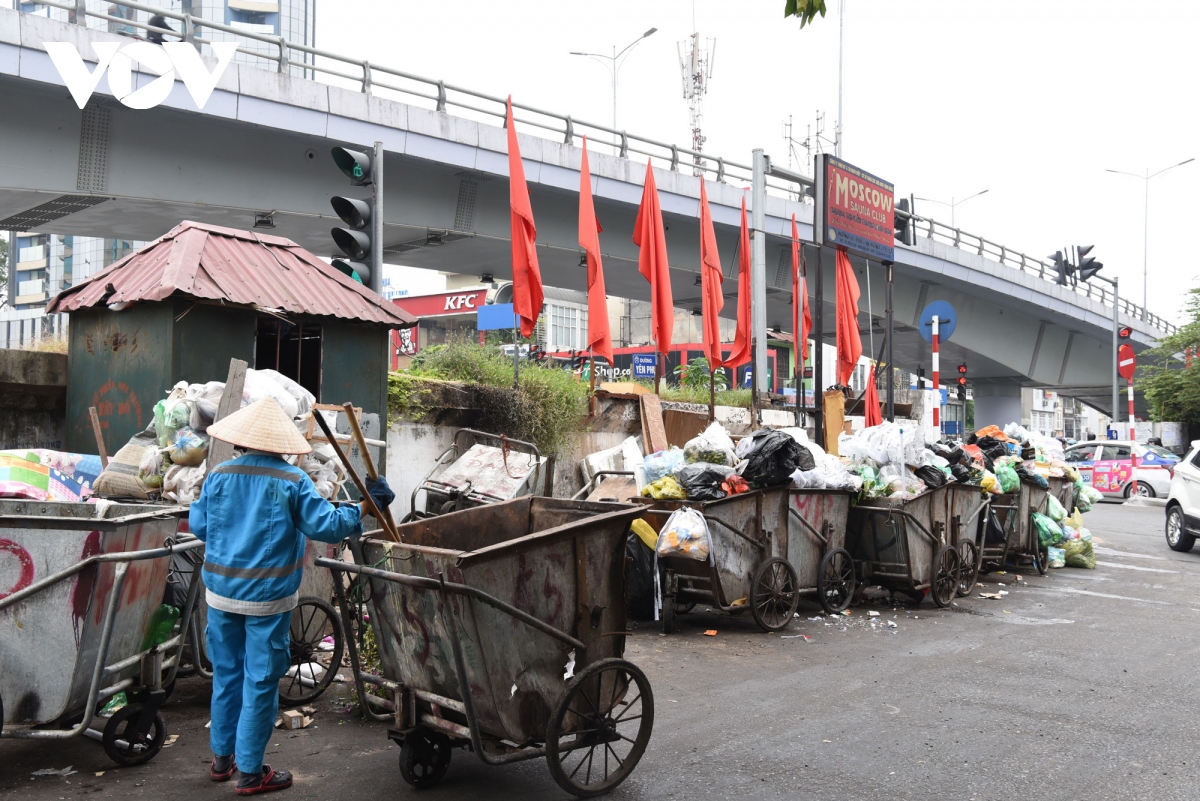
x,y
854,210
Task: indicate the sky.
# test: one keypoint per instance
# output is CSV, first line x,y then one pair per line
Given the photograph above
x,y
1031,101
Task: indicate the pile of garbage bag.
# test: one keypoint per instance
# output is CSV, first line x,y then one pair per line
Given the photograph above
x,y
167,459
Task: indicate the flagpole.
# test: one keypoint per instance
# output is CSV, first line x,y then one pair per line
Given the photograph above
x,y
516,353
592,383
658,368
712,394
818,356
754,410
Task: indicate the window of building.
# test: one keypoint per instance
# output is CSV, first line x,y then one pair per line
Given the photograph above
x,y
293,350
568,328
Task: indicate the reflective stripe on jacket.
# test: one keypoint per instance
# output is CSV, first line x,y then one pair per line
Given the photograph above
x,y
253,516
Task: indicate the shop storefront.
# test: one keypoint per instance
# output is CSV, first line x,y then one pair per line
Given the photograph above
x,y
442,317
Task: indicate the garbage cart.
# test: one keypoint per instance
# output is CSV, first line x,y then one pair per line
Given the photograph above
x,y
747,569
913,545
816,546
478,468
1017,541
80,622
502,629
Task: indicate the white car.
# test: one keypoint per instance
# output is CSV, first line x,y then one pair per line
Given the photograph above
x,y
1183,502
1108,466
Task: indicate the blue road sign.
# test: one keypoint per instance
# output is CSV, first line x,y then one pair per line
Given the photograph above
x,y
644,365
947,320
496,317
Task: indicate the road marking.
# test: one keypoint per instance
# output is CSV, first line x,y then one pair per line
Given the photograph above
x,y
1138,567
1074,591
1115,552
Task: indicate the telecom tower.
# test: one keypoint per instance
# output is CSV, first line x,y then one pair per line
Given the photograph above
x,y
696,66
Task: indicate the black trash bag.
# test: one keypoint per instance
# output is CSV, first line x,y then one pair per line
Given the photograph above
x,y
639,587
987,443
702,481
1028,452
932,476
996,451
972,440
773,457
1030,477
961,473
995,529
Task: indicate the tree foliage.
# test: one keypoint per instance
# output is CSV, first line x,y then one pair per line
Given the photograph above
x,y
806,10
1173,389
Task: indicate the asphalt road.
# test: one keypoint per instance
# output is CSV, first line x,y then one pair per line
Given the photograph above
x,y
1072,686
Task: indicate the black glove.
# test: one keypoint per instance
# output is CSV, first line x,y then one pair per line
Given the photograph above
x,y
380,492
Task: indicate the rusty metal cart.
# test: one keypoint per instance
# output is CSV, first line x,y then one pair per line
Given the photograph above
x,y
816,546
77,613
501,629
747,568
478,468
914,545
1021,542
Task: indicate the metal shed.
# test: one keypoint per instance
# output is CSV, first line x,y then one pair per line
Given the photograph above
x,y
185,304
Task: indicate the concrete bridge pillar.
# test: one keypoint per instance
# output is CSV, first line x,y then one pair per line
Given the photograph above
x,y
997,403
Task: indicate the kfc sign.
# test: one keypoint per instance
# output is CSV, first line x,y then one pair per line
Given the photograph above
x,y
443,305
168,61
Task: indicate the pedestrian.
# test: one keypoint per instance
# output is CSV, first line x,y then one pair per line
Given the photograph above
x,y
158,21
253,515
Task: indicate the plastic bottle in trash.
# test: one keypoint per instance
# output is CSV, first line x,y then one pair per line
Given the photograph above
x,y
165,618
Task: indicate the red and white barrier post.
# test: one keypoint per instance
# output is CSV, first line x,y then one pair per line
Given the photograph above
x,y
1132,424
937,385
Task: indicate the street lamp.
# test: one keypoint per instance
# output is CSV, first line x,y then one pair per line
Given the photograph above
x,y
1146,226
953,204
614,68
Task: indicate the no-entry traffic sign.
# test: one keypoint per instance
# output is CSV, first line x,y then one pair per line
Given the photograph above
x,y
1126,361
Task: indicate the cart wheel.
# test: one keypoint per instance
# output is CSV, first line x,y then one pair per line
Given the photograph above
x,y
836,581
774,596
312,621
1041,558
424,757
667,613
968,559
600,728
124,745
946,568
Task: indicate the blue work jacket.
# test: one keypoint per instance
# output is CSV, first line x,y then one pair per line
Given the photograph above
x,y
253,516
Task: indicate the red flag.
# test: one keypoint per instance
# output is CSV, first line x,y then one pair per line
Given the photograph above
x,y
649,236
599,337
712,299
849,344
802,322
741,340
527,278
871,402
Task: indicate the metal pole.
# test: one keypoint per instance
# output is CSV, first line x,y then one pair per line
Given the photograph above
x,y
614,92
758,272
818,352
841,32
937,387
1145,248
377,219
891,370
516,352
1116,391
1132,422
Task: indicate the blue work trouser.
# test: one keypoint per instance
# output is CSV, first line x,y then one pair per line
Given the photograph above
x,y
249,656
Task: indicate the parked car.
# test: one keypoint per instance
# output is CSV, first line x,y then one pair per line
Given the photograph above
x,y
1110,467
1183,502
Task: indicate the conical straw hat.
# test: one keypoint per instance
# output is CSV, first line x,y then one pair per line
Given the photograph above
x,y
261,426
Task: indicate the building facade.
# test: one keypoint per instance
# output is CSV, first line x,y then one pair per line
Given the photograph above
x,y
42,265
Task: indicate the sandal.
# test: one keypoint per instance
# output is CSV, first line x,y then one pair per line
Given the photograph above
x,y
266,781
222,768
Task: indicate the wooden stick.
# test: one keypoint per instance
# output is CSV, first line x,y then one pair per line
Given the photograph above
x,y
712,395
99,436
592,384
367,460
362,490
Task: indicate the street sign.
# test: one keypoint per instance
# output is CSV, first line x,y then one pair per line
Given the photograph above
x,y
854,209
497,317
1126,361
947,320
644,365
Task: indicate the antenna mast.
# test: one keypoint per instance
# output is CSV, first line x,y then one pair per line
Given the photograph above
x,y
696,66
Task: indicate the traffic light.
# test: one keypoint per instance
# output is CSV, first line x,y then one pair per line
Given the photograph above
x,y
962,382
362,240
1087,266
1062,266
906,230
1124,332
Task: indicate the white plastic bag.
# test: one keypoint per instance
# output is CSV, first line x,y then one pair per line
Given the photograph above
x,y
304,399
685,534
183,484
259,384
713,446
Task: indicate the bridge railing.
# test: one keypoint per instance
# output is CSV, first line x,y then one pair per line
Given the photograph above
x,y
363,76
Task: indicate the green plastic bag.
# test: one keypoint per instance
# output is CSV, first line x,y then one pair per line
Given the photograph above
x,y
1009,481
1049,532
1055,510
1080,554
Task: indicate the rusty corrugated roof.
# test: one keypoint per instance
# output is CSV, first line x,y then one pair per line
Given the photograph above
x,y
240,267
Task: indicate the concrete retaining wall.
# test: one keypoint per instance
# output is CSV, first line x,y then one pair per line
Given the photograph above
x,y
33,399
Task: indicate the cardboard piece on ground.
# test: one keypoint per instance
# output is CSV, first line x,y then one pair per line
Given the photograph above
x,y
834,404
615,488
654,432
231,400
622,388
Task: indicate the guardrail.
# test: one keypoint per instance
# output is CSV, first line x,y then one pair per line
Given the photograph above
x,y
363,76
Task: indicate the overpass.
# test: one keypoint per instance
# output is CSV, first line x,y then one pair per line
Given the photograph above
x,y
261,146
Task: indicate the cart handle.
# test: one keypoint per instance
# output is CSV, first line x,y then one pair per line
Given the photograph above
x,y
422,583
412,501
120,556
902,513
816,535
762,546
